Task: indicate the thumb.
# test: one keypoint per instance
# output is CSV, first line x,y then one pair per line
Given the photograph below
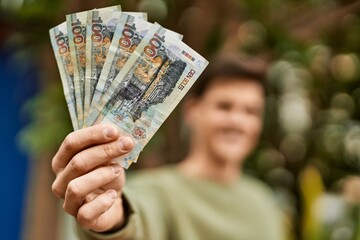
x,y
102,213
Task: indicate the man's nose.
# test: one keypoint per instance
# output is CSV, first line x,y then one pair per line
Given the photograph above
x,y
237,117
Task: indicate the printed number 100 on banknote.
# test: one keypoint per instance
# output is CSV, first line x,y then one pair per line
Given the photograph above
x,y
60,43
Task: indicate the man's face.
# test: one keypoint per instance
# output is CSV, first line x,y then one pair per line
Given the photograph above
x,y
227,120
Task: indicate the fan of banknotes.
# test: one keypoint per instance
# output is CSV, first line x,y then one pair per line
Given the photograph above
x,y
117,67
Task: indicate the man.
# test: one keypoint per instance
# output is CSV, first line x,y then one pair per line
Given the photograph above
x,y
206,196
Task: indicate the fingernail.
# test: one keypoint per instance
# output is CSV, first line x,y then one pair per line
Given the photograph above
x,y
116,168
125,143
109,132
112,194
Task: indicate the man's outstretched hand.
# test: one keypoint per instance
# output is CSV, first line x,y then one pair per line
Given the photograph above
x,y
88,180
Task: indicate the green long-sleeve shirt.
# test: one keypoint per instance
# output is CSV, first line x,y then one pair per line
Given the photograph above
x,y
164,204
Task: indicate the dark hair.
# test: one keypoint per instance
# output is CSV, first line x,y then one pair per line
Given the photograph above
x,y
230,66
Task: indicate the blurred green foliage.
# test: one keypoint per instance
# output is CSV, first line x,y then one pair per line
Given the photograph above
x,y
50,122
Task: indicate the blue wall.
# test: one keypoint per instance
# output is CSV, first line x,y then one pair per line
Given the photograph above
x,y
18,83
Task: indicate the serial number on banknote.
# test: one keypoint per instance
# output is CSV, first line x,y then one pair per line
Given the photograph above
x,y
186,79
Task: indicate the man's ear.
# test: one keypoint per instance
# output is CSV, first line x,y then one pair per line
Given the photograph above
x,y
190,109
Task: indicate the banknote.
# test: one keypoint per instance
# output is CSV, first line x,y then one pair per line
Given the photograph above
x,y
60,43
128,34
117,67
152,82
76,24
100,28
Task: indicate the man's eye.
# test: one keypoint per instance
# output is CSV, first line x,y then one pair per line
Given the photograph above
x,y
224,106
253,111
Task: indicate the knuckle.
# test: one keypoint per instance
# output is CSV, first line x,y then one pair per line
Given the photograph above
x,y
93,135
54,165
104,204
90,197
68,209
106,174
56,190
64,206
73,190
108,150
78,164
70,142
84,217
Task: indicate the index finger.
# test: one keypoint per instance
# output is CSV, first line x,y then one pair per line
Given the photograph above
x,y
81,139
